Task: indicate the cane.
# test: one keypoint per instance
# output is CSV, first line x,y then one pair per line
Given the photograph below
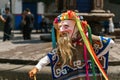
x,y
35,77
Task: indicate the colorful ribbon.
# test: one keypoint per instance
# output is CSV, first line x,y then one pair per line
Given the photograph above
x,y
90,49
86,62
92,61
53,38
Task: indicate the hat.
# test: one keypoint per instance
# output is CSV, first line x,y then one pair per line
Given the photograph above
x,y
69,15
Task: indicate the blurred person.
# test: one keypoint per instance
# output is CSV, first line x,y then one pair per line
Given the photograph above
x,y
106,26
22,23
44,25
71,59
119,24
29,24
8,24
111,25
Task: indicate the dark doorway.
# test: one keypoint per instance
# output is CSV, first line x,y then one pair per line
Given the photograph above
x,y
84,5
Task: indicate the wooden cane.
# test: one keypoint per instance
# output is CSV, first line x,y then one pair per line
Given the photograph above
x,y
35,77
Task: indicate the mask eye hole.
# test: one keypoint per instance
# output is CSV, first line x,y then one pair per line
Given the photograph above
x,y
66,26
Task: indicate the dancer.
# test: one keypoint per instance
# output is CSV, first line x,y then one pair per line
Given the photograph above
x,y
79,55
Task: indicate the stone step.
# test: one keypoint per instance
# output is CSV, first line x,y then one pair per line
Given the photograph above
x,y
46,37
111,36
20,72
116,32
34,62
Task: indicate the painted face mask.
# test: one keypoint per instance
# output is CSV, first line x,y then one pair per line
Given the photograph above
x,y
66,27
66,24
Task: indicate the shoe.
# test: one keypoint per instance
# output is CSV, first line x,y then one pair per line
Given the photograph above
x,y
4,40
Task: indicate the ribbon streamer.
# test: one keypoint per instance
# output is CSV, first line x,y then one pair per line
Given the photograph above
x,y
53,38
90,49
93,65
86,62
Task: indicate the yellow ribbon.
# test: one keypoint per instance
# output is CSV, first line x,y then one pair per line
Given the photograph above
x,y
90,49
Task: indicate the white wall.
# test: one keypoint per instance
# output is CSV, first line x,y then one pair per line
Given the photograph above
x,y
3,4
40,8
16,6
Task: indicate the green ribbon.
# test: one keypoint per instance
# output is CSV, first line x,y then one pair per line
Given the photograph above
x,y
93,64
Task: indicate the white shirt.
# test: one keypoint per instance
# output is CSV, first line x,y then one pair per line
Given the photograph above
x,y
42,62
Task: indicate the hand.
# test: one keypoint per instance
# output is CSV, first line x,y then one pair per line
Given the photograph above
x,y
1,18
33,72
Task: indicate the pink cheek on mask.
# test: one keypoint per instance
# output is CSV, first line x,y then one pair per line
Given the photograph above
x,y
66,30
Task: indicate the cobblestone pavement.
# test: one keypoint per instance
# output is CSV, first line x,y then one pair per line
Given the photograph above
x,y
34,49
21,49
114,52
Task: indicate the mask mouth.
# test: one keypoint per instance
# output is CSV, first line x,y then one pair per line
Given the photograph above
x,y
64,34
